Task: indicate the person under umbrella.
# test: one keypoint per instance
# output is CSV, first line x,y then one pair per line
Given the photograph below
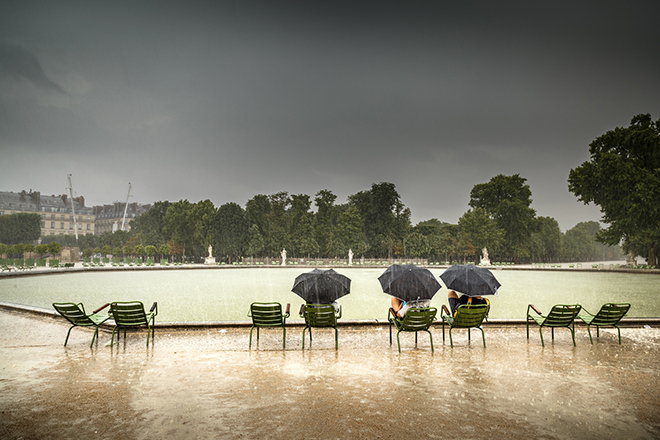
x,y
322,287
410,286
472,282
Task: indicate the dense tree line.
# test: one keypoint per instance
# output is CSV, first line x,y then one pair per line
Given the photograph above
x,y
373,224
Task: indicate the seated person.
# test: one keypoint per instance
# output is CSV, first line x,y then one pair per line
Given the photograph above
x,y
455,301
400,306
335,304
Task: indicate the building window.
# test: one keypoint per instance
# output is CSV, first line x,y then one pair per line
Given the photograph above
x,y
52,216
70,225
43,224
62,225
88,226
62,217
52,225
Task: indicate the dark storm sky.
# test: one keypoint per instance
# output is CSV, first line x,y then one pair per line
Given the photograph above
x,y
224,100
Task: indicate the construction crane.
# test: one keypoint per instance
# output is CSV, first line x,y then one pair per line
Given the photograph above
x,y
73,211
123,220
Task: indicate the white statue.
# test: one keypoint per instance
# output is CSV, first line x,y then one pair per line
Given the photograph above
x,y
210,259
350,257
484,258
283,254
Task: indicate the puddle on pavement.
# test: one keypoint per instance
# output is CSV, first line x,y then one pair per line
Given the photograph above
x,y
199,384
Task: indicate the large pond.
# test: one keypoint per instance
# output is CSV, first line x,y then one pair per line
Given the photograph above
x,y
225,294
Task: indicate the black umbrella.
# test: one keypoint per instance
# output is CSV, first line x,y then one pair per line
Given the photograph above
x,y
321,286
409,282
470,280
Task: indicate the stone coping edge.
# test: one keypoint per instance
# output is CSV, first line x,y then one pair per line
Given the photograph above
x,y
39,311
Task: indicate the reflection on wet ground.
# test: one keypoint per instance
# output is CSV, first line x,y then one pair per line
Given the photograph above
x,y
206,383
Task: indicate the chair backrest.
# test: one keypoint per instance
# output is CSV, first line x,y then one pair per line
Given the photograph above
x,y
266,314
561,315
418,318
610,314
74,313
470,316
320,315
128,313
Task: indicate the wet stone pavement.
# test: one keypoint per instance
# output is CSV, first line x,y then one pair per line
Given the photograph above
x,y
206,384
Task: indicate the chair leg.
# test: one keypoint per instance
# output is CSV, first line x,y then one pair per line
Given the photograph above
x,y
96,333
483,336
67,335
431,338
283,338
541,333
451,342
590,338
250,345
469,335
398,341
443,331
573,336
619,330
336,339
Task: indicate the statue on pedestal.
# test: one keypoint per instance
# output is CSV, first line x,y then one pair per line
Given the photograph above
x,y
484,257
210,259
350,257
283,254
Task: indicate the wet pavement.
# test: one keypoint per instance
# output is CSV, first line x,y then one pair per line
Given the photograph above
x,y
205,383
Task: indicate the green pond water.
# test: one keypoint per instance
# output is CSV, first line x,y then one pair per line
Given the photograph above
x,y
226,294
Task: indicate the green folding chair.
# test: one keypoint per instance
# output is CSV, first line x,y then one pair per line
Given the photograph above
x,y
75,314
466,316
132,314
268,315
320,316
561,315
609,315
416,319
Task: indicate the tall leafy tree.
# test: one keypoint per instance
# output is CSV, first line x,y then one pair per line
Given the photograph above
x,y
477,230
385,219
19,228
326,219
349,235
579,242
179,223
622,177
546,242
279,221
203,219
301,231
149,226
231,229
507,200
258,210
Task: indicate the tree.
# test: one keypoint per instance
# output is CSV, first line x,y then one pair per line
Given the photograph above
x,y
179,223
230,231
326,219
476,230
255,242
301,231
149,226
54,248
203,217
258,211
507,200
349,235
279,221
580,242
622,177
385,219
19,228
546,243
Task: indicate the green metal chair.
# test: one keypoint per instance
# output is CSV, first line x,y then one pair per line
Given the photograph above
x,y
609,315
466,316
75,314
132,314
416,319
561,315
265,314
322,316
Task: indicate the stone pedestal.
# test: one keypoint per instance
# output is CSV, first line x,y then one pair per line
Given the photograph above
x,y
485,261
209,260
